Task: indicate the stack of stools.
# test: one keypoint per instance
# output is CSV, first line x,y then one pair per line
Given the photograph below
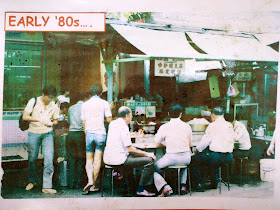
x,y
178,168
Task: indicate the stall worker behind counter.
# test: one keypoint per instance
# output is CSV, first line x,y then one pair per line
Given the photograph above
x,y
76,142
241,138
64,98
219,137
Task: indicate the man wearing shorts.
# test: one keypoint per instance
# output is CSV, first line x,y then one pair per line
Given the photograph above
x,y
92,115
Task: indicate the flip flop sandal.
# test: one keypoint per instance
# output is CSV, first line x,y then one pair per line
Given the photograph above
x,y
86,190
94,189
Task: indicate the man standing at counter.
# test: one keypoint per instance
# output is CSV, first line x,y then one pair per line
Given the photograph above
x,y
92,114
120,152
219,136
176,135
76,143
42,114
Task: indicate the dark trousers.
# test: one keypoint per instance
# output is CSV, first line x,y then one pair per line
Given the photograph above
x,y
147,165
211,160
76,157
237,153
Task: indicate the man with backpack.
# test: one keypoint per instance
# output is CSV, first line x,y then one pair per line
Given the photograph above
x,y
42,113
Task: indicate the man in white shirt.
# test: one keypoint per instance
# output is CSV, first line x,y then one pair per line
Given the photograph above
x,y
219,137
42,114
120,152
241,138
176,135
93,112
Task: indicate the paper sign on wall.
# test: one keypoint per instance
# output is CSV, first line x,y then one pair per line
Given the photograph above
x,y
169,67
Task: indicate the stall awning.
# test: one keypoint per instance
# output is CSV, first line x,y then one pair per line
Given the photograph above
x,y
159,43
234,48
155,43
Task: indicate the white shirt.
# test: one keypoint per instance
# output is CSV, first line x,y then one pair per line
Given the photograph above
x,y
63,99
93,112
176,134
43,112
219,135
242,136
117,140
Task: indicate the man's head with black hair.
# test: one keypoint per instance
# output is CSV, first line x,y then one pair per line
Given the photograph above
x,y
216,112
95,90
49,90
175,110
49,93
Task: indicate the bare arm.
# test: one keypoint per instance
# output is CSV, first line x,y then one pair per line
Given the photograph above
x,y
55,122
57,102
84,125
109,119
160,145
27,117
270,149
134,151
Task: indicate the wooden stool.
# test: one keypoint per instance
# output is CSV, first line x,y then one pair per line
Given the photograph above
x,y
178,168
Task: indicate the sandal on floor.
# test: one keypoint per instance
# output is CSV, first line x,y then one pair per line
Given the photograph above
x,y
86,189
94,189
167,190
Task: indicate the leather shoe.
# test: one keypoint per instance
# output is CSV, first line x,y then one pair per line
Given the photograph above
x,y
145,193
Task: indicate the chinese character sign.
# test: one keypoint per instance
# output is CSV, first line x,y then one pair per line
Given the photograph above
x,y
169,67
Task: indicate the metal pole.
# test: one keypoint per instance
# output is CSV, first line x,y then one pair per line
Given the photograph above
x,y
109,70
147,76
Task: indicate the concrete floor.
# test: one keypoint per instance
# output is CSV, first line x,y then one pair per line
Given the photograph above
x,y
15,180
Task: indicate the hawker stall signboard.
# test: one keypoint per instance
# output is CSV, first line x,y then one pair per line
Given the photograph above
x,y
169,67
243,76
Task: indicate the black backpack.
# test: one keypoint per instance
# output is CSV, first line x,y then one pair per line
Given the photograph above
x,y
23,124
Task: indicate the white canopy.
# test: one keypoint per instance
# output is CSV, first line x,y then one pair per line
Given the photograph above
x,y
155,43
234,48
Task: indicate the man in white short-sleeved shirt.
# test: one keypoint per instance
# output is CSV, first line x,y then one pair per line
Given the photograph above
x,y
93,112
120,152
241,138
176,135
219,137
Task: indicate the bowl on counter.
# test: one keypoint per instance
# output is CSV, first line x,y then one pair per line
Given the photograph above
x,y
198,127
